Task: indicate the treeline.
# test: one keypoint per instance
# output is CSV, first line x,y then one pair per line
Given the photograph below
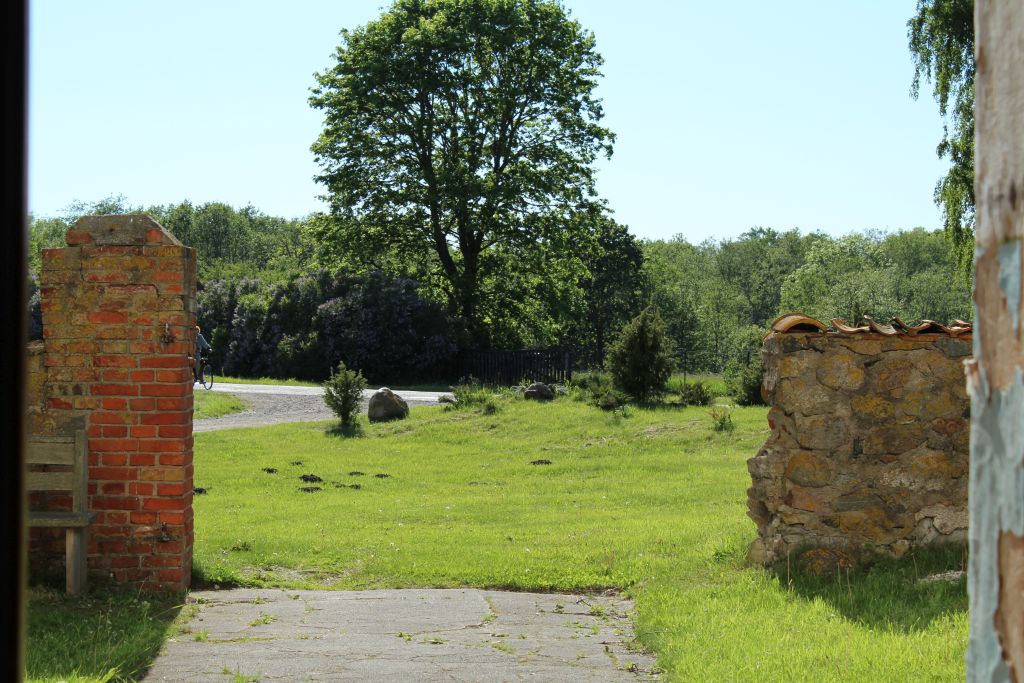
x,y
278,299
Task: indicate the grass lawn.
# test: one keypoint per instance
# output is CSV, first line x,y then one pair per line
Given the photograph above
x,y
215,404
106,635
652,503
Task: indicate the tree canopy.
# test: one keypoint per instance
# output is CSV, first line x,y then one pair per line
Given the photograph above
x,y
460,133
941,36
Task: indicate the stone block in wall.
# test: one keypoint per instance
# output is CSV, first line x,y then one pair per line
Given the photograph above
x,y
868,450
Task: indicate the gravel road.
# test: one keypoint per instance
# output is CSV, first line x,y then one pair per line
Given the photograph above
x,y
271,404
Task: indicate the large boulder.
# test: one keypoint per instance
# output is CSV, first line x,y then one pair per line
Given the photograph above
x,y
538,391
386,405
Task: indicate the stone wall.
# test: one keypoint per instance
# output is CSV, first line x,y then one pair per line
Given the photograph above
x,y
868,447
118,307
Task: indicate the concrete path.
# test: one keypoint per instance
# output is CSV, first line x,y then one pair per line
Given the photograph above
x,y
451,635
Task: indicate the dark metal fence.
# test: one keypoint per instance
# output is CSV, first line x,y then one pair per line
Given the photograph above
x,y
512,366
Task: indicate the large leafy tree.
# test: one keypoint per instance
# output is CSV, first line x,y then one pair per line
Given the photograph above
x,y
941,35
459,129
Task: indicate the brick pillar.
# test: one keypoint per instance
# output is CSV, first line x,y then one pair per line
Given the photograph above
x,y
118,309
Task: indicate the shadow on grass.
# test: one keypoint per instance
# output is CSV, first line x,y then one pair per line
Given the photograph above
x,y
349,431
892,593
106,634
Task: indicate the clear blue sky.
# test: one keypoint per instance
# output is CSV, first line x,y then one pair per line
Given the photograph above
x,y
728,115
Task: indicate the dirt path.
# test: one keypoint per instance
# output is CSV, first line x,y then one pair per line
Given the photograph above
x,y
273,404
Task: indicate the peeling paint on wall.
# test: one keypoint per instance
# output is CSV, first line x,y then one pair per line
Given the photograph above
x,y
1009,279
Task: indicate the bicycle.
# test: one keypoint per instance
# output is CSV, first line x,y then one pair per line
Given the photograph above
x,y
205,374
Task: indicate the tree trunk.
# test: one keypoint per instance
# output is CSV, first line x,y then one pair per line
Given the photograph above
x,y
996,375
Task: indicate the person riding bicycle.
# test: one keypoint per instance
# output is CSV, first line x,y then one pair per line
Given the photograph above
x,y
203,350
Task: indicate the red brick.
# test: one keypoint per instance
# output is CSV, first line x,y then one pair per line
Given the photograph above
x,y
141,488
173,431
161,561
142,404
110,418
162,362
146,432
170,518
173,576
176,404
140,517
75,237
143,459
113,404
113,473
179,375
141,549
165,389
108,532
124,562
113,488
115,431
161,445
117,375
177,489
111,547
115,389
115,361
59,404
167,418
116,445
114,459
142,375
174,459
107,317
116,517
164,504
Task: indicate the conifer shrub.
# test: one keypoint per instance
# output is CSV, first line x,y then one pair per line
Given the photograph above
x,y
640,360
343,391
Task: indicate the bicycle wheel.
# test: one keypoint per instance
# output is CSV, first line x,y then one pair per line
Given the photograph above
x,y
207,379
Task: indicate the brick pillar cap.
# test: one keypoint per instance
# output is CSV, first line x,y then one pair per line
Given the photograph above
x,y
120,230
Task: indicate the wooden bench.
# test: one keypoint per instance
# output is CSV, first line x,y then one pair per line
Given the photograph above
x,y
65,451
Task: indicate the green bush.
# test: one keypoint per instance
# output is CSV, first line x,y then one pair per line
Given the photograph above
x,y
342,393
695,394
721,420
743,380
640,360
469,392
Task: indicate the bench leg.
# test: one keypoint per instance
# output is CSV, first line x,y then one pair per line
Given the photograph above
x,y
77,545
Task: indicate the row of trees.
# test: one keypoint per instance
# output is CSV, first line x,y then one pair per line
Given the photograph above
x,y
277,303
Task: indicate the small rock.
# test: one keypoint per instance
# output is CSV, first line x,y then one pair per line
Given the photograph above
x,y
538,391
310,478
270,470
540,462
382,475
386,405
296,462
355,474
199,490
310,489
446,398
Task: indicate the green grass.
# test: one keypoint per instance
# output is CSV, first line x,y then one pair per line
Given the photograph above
x,y
652,503
265,380
714,382
106,635
215,404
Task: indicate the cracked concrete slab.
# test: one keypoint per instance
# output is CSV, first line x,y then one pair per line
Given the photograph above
x,y
425,635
